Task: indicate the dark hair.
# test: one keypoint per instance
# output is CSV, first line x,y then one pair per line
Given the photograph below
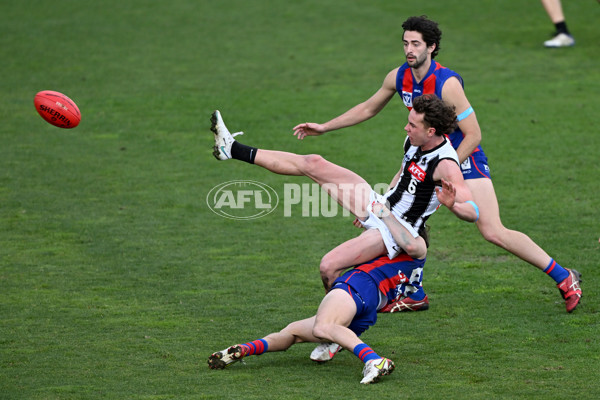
x,y
438,114
427,28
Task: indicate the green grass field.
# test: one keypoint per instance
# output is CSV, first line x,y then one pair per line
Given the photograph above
x,y
117,281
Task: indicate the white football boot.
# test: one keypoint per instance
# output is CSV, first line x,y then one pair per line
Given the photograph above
x,y
560,40
375,369
325,352
223,139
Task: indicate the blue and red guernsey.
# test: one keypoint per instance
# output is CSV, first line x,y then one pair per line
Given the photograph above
x,y
392,276
433,82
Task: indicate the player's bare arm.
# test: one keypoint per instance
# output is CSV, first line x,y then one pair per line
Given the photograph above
x,y
454,95
455,194
414,246
395,179
357,114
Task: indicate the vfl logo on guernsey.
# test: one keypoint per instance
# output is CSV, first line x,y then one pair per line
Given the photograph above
x,y
242,199
407,98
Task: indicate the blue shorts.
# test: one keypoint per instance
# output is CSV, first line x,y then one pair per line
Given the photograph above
x,y
476,166
365,293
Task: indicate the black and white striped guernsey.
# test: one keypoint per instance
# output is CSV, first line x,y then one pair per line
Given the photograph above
x,y
413,199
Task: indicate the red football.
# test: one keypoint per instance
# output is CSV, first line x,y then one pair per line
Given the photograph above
x,y
57,109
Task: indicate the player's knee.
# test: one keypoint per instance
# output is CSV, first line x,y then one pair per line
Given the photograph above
x,y
322,331
292,328
294,333
329,269
492,238
416,250
312,163
327,266
492,234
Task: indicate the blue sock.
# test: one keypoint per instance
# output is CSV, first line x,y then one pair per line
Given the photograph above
x,y
256,347
556,272
365,353
418,295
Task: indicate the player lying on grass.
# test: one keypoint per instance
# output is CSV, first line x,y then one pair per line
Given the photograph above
x,y
345,312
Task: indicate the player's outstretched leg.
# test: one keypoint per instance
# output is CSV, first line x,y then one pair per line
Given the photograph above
x,y
344,186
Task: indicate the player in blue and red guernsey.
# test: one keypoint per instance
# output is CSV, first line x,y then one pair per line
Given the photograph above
x,y
346,311
421,74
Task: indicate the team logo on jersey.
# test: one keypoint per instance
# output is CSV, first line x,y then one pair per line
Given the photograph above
x,y
416,172
407,98
466,167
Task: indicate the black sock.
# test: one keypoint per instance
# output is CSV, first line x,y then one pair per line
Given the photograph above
x,y
242,152
561,27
